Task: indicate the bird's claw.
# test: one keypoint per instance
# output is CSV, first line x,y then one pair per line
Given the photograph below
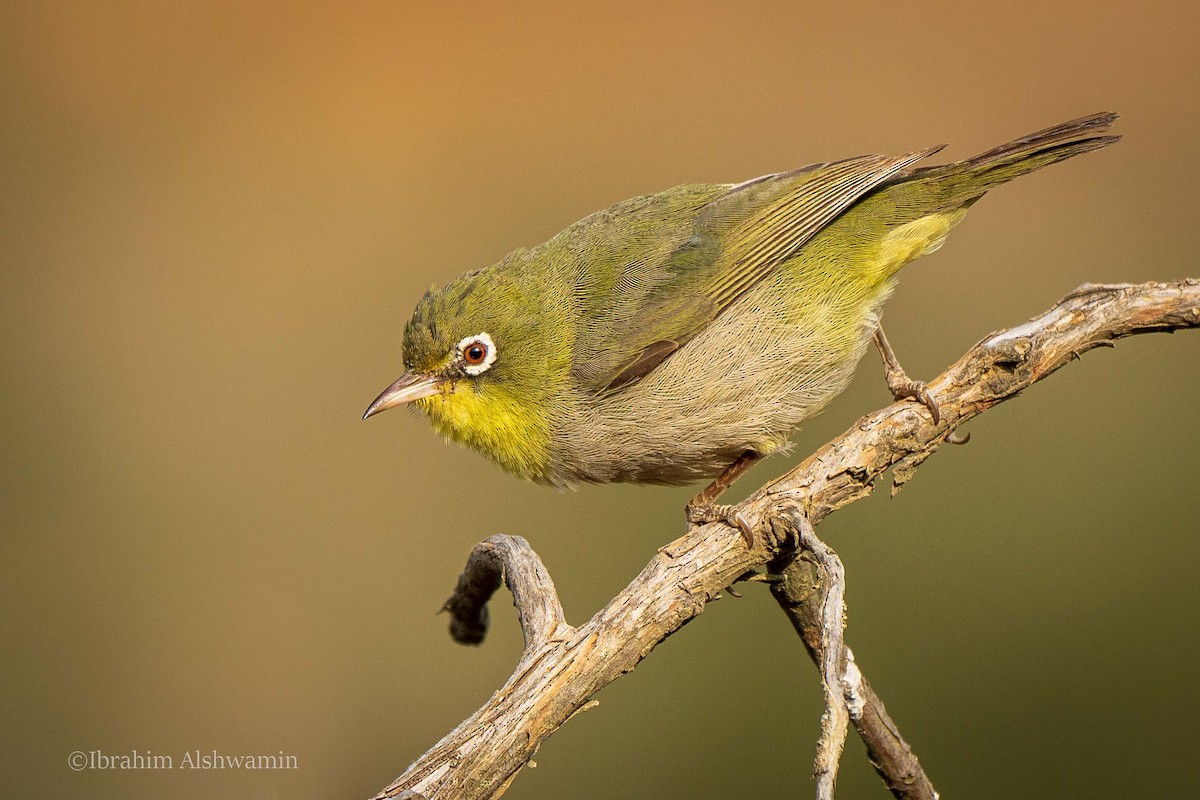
x,y
703,514
919,391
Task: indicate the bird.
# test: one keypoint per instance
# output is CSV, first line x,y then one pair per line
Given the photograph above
x,y
684,335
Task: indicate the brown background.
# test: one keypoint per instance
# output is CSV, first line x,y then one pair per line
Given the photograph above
x,y
217,217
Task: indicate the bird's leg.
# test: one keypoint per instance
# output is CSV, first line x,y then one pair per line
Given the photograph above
x,y
898,381
702,508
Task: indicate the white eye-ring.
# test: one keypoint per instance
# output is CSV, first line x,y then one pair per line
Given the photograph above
x,y
477,353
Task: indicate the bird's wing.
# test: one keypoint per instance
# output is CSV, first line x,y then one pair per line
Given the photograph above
x,y
694,254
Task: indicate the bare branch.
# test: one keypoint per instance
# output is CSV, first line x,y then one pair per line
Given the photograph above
x,y
832,657
800,588
563,667
994,370
512,559
829,750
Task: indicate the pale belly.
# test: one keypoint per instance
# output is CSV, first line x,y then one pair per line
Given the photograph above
x,y
747,382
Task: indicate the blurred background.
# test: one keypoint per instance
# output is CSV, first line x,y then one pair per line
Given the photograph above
x,y
217,218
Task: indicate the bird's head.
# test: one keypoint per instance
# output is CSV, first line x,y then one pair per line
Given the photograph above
x,y
486,358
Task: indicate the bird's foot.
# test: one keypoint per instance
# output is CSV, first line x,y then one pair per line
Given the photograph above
x,y
905,389
698,514
901,386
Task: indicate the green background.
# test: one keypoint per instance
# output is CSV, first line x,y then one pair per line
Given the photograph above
x,y
217,218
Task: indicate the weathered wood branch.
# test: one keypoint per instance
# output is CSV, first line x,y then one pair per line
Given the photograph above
x,y
801,586
511,559
828,614
994,370
563,667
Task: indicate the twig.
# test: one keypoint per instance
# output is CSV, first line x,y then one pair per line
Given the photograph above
x,y
800,587
831,618
994,370
561,670
538,608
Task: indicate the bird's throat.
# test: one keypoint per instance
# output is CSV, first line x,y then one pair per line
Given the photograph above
x,y
491,420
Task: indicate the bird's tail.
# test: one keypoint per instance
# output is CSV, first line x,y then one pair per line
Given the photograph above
x,y
924,204
963,182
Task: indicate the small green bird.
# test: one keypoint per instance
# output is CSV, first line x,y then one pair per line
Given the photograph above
x,y
686,334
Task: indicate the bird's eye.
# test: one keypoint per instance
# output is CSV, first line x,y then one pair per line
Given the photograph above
x,y
477,354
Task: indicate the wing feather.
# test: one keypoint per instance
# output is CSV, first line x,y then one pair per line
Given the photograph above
x,y
769,238
715,251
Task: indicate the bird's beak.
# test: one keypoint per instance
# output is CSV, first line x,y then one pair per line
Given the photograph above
x,y
411,386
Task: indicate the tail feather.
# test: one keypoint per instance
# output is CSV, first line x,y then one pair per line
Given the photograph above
x,y
964,182
1084,126
922,206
